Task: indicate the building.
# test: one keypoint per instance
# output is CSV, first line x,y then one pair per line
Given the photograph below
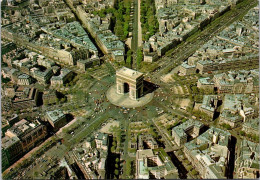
x,y
147,141
98,28
154,164
56,118
12,119
236,63
247,161
92,161
180,19
53,33
251,126
233,119
6,104
28,133
10,73
131,81
150,57
84,64
209,153
227,50
205,83
24,79
42,61
60,172
186,69
43,77
210,104
65,76
7,122
49,96
237,108
25,97
55,69
181,132
101,140
118,55
238,82
9,90
11,150
4,126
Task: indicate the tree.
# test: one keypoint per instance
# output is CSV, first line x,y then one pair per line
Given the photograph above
x,y
227,126
126,27
116,166
114,143
189,167
112,148
186,162
93,143
249,136
116,172
95,12
184,120
129,61
195,90
111,10
242,133
128,167
46,101
117,160
175,124
194,172
256,138
139,58
119,31
129,52
63,100
57,100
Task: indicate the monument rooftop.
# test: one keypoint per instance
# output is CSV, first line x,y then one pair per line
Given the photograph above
x,y
129,72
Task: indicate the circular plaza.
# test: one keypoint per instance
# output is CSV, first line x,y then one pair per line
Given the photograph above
x,y
123,100
130,90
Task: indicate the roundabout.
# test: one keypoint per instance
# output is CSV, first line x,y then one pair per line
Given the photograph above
x,y
123,100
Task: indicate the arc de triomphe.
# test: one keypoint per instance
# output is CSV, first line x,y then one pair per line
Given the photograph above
x,y
128,80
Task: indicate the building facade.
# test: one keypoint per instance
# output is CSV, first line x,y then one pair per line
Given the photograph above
x,y
180,133
56,118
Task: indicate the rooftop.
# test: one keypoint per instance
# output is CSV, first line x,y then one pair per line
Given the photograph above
x,y
180,130
23,127
209,102
23,76
124,71
55,115
144,153
9,141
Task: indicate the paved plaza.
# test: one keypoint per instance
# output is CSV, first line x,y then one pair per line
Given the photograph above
x,y
123,100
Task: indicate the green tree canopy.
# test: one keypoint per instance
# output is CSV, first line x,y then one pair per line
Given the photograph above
x,y
139,57
116,172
